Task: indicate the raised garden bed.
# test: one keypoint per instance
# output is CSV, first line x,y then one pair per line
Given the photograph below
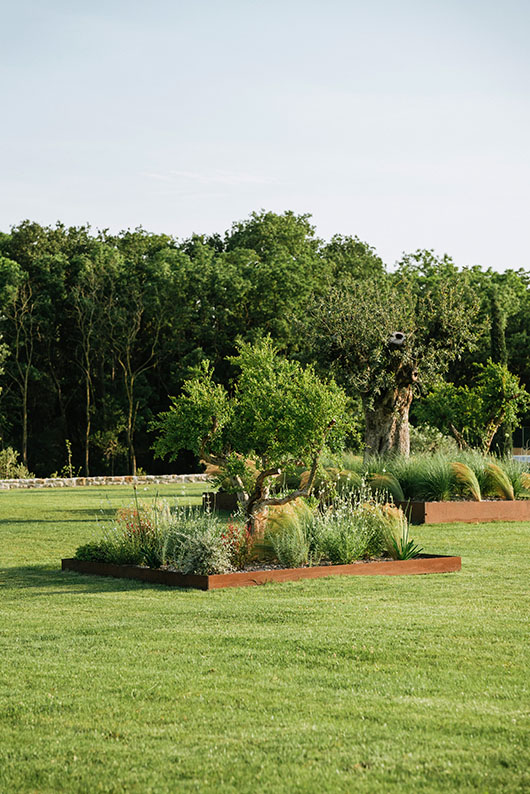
x,y
422,512
466,512
424,563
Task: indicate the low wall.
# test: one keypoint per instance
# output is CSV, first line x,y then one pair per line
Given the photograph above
x,y
73,482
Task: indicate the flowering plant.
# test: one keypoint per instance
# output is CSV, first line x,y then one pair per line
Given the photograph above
x,y
239,542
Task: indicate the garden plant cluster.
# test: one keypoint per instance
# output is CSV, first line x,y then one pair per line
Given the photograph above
x,y
304,533
427,477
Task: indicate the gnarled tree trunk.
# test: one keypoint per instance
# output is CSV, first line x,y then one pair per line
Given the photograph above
x,y
387,424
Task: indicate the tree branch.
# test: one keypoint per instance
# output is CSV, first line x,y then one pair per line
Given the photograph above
x,y
460,440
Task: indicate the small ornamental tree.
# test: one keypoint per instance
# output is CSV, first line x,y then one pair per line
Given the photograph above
x,y
473,414
279,415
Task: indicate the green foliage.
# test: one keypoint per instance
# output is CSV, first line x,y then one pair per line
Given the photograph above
x,y
424,478
279,415
425,439
290,536
350,530
100,328
283,409
517,474
194,543
201,554
10,466
279,412
350,327
499,353
201,413
135,537
114,547
476,411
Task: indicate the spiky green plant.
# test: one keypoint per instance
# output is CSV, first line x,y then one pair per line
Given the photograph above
x,y
396,536
467,480
499,482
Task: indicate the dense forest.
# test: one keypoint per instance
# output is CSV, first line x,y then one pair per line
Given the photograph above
x,y
98,330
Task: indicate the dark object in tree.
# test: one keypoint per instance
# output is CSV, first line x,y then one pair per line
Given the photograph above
x,y
353,331
397,339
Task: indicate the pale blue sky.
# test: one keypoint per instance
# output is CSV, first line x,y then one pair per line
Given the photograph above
x,y
406,123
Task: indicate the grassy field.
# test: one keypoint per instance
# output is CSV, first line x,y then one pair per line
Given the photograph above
x,y
361,684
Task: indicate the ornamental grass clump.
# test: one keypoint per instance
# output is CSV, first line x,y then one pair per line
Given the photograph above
x,y
386,482
499,483
466,480
432,479
290,536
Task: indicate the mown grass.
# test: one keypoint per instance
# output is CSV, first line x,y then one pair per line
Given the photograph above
x,y
361,684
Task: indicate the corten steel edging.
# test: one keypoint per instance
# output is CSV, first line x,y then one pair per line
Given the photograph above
x,y
466,512
424,564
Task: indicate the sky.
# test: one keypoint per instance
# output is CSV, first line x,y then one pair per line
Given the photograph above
x,y
404,123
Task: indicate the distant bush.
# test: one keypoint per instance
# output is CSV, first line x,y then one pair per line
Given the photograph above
x,y
10,467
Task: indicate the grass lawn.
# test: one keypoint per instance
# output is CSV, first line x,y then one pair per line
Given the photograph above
x,y
360,684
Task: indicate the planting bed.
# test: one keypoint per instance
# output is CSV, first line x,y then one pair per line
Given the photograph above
x,y
422,512
466,512
424,563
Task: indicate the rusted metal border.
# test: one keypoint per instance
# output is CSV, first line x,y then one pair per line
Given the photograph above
x,y
424,564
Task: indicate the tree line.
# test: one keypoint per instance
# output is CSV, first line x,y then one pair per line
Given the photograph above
x,y
99,329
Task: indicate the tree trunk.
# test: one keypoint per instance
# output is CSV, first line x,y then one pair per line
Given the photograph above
x,y
387,424
87,427
257,520
25,419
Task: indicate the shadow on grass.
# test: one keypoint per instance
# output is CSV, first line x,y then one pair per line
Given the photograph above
x,y
42,578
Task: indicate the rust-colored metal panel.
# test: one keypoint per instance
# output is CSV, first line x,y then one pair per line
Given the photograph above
x,y
466,512
424,564
153,575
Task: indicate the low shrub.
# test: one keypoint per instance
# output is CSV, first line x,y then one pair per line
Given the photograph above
x,y
135,537
10,466
350,530
425,439
114,548
194,543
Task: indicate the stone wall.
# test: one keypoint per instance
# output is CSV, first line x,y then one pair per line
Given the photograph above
x,y
73,482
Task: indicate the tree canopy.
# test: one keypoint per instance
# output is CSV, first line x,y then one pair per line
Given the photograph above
x,y
99,328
